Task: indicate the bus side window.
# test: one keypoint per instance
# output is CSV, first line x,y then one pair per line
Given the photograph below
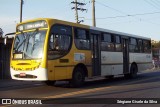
x,y
118,45
82,39
59,41
107,42
140,45
54,42
133,47
51,42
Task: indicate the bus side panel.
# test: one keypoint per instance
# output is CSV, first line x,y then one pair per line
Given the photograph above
x,y
69,72
62,68
143,61
89,68
117,69
106,70
50,70
58,70
60,73
112,63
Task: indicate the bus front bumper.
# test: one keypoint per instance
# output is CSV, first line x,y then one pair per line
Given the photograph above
x,y
39,74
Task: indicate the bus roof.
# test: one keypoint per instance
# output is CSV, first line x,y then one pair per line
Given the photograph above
x,y
87,26
118,33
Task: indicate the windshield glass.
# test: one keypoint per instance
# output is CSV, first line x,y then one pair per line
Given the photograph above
x,y
29,45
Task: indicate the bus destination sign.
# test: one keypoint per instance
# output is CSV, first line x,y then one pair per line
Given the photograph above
x,y
32,25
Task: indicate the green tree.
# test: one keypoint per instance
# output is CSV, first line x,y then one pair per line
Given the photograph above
x,y
156,44
1,32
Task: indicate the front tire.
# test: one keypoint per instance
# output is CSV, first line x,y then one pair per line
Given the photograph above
x,y
78,77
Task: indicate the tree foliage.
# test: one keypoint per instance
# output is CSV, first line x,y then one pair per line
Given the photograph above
x,y
1,32
156,44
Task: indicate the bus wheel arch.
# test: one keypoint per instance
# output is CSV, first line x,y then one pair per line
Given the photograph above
x,y
78,75
132,71
85,71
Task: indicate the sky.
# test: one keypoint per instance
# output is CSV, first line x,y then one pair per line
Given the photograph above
x,y
138,17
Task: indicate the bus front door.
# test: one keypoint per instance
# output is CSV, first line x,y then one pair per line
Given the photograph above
x,y
96,67
125,55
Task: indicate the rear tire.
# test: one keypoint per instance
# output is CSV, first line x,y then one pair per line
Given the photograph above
x,y
78,77
133,72
50,83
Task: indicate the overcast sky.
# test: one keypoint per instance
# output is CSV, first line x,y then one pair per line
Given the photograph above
x,y
138,17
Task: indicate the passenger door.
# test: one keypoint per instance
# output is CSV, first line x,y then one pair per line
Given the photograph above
x,y
125,45
96,56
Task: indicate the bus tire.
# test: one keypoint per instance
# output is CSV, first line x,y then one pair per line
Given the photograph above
x,y
50,83
133,71
78,77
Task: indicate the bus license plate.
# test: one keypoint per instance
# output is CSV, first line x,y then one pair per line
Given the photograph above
x,y
22,74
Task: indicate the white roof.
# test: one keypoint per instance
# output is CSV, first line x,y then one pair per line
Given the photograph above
x,y
116,32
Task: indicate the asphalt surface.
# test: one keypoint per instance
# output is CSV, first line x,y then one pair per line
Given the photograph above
x,y
93,93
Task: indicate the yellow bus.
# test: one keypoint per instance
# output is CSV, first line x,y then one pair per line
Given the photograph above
x,y
51,50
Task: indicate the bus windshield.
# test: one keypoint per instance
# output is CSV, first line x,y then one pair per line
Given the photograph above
x,y
29,45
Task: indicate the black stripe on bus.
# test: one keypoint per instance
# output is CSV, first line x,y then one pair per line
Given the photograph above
x,y
104,64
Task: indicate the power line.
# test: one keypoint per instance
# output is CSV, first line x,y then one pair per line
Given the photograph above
x,y
153,5
110,7
128,15
140,14
117,10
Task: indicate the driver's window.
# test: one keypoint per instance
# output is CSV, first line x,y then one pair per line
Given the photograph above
x,y
59,41
51,42
54,42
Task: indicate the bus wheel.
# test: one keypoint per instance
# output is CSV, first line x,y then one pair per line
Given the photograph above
x,y
78,77
133,71
50,83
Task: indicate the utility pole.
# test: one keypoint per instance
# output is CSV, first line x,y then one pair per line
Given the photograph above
x,y
21,7
76,8
76,11
93,13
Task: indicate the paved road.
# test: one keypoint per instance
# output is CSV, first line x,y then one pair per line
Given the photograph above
x,y
146,85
